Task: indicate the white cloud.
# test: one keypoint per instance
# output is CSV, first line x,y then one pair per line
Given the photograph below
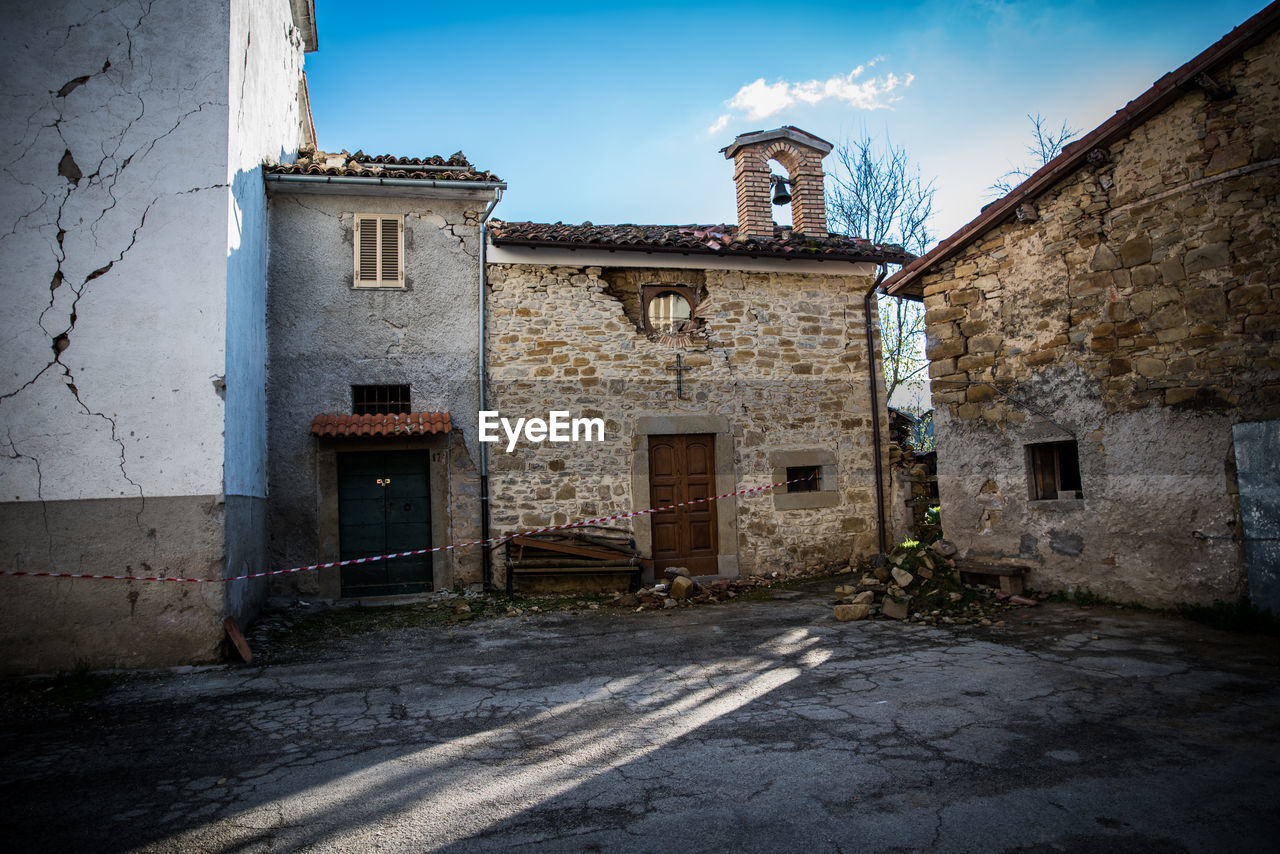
x,y
759,100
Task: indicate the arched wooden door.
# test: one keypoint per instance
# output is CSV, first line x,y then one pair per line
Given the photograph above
x,y
681,469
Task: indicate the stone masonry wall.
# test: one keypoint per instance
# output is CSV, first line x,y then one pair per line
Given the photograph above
x,y
784,362
1139,314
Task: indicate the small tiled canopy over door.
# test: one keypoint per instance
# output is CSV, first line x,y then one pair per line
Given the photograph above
x,y
682,468
384,507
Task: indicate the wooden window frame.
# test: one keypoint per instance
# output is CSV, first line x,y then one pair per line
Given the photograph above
x,y
380,278
1053,471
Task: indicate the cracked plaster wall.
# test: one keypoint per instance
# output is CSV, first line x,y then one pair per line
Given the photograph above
x,y
264,86
264,126
115,263
325,336
119,261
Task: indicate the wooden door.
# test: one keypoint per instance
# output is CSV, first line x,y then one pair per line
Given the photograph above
x,y
682,468
384,506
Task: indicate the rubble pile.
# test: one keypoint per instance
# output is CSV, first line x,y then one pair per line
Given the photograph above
x,y
920,584
915,583
680,589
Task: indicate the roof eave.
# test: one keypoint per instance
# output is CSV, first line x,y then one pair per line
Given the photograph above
x,y
689,250
304,18
353,185
1164,91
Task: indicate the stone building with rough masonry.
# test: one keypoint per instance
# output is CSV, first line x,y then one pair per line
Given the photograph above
x,y
133,340
373,329
718,358
1104,345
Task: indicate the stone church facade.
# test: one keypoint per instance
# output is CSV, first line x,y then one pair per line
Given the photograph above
x,y
719,358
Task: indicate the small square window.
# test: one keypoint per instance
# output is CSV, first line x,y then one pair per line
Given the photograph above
x,y
379,251
379,399
1054,471
806,478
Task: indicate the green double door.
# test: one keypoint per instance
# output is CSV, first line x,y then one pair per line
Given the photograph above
x,y
384,506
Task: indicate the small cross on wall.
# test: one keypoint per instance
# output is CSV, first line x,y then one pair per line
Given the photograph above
x,y
679,372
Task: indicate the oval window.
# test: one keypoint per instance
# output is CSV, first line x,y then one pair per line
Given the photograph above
x,y
668,311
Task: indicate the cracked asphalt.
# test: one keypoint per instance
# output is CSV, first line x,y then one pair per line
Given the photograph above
x,y
761,726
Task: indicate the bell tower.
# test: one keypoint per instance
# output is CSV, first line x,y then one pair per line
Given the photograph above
x,y
801,154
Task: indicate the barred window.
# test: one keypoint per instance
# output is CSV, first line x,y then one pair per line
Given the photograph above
x,y
379,399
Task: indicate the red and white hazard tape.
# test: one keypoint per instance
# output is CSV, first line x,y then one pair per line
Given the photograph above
x,y
414,553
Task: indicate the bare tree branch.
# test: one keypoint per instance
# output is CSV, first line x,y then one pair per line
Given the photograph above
x,y
1044,146
876,192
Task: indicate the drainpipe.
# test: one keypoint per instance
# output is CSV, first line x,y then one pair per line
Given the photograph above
x,y
486,558
876,439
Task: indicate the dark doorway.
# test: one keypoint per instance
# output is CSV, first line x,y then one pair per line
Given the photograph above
x,y
682,468
384,506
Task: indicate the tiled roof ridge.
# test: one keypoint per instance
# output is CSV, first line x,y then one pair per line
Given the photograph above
x,y
694,237
393,424
457,159
361,165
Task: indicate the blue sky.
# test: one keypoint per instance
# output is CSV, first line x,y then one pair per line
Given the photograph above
x,y
616,112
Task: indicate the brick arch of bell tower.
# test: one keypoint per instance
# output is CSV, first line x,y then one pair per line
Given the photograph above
x,y
801,154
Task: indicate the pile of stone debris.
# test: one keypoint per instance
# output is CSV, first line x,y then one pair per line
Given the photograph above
x,y
681,589
921,584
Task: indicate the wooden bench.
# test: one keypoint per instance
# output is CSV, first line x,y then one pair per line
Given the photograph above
x,y
1007,575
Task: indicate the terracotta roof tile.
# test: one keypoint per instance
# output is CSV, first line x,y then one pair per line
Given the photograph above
x,y
361,165
404,424
694,239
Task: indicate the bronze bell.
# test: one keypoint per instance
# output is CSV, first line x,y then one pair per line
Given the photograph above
x,y
780,194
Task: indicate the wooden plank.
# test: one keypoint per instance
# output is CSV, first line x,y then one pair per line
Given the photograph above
x,y
560,560
556,570
237,638
1011,584
563,547
991,568
619,544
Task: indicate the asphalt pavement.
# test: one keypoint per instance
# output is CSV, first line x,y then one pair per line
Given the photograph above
x,y
755,726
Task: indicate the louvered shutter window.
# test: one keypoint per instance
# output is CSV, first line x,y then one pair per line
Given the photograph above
x,y
390,270
378,251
